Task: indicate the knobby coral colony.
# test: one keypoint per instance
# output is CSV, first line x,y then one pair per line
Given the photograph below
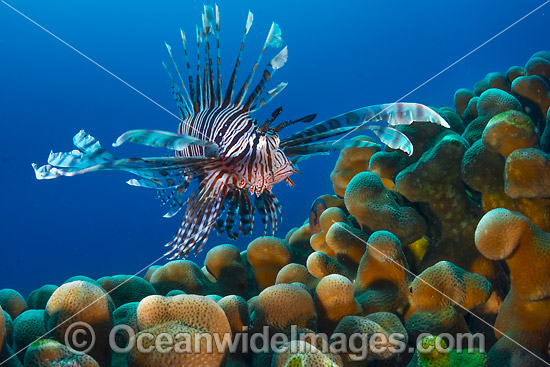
x,y
220,146
468,212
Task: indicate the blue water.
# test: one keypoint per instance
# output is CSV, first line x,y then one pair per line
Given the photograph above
x,y
342,55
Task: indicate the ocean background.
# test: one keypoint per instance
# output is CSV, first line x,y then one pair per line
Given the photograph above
x,y
342,55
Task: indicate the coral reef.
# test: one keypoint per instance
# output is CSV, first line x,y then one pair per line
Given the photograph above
x,y
12,302
81,301
126,288
48,353
453,239
27,328
38,298
524,316
186,314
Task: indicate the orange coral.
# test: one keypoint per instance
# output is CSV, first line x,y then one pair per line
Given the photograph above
x,y
385,323
236,311
12,302
527,174
267,255
226,266
334,299
439,297
524,317
126,288
298,353
181,275
461,99
48,353
298,242
490,103
326,220
350,162
81,301
320,265
375,208
186,314
150,272
38,298
534,92
509,131
381,282
296,273
272,308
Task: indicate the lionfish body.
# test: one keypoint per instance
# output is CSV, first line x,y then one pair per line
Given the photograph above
x,y
223,151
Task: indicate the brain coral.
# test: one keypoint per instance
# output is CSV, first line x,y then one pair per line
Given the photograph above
x,y
224,263
272,308
385,323
81,301
50,353
267,255
182,275
180,318
381,282
433,351
327,218
375,208
126,288
296,273
523,317
2,329
320,265
27,328
298,353
38,298
490,103
12,302
351,162
440,296
334,299
527,174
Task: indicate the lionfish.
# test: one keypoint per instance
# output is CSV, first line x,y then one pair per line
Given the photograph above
x,y
225,151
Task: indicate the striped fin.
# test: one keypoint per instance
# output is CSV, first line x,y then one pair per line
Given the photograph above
x,y
273,206
186,99
230,89
156,183
165,139
259,203
219,58
392,114
208,20
132,165
189,74
94,158
276,63
270,95
326,147
200,216
90,153
200,91
231,206
274,39
245,213
394,139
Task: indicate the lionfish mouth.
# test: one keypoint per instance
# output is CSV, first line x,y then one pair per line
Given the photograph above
x,y
216,124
